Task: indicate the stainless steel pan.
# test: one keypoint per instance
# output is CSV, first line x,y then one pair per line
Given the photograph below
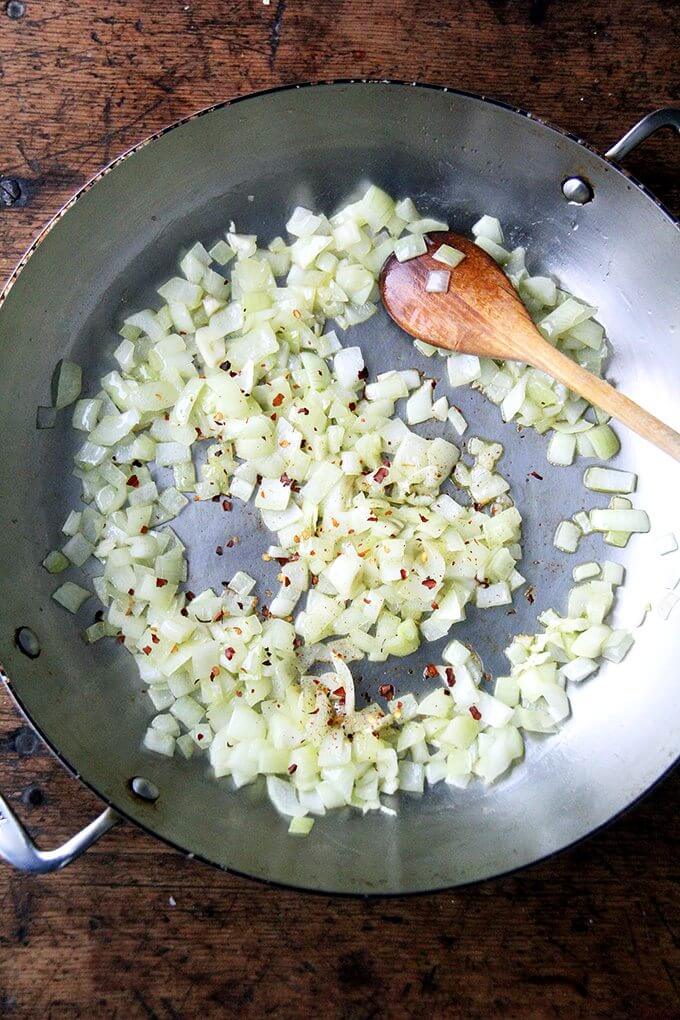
x,y
458,155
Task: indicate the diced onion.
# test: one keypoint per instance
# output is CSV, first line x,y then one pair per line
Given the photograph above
x,y
619,520
409,247
437,281
609,480
448,255
370,554
585,571
567,536
71,596
66,384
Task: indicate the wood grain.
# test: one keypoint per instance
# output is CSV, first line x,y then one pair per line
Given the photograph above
x,y
592,933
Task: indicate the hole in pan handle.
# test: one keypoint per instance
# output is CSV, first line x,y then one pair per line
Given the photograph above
x,y
18,849
668,116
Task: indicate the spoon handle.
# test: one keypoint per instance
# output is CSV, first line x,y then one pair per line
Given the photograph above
x,y
601,394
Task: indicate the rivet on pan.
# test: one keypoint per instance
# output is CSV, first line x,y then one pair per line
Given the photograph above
x,y
15,9
27,642
10,192
577,191
144,788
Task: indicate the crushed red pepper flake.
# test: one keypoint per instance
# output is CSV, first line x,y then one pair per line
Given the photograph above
x,y
430,671
161,582
535,474
226,505
147,649
429,582
450,676
475,713
229,653
292,769
278,400
386,691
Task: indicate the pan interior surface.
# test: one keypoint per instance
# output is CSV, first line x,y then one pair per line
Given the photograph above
x,y
252,161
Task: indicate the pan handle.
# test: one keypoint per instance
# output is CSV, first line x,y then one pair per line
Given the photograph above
x,y
19,850
668,116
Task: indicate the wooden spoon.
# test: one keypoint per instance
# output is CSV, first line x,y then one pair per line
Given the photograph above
x,y
482,314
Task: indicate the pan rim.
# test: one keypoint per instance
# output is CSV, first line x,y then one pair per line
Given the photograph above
x,y
4,293
321,82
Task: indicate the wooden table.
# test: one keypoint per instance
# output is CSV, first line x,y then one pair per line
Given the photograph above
x,y
135,930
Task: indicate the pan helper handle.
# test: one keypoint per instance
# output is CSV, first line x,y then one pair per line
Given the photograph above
x,y
18,849
668,116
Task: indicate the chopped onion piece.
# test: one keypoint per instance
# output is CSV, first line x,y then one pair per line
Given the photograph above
x,y
612,573
242,583
496,251
632,521
440,409
561,449
567,536
78,550
457,420
55,562
489,227
409,247
609,480
71,596
448,255
437,281
161,743
586,570
604,442
419,404
426,225
66,384
463,368
301,826
582,520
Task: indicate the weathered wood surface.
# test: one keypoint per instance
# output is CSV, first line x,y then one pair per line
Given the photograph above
x,y
133,929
